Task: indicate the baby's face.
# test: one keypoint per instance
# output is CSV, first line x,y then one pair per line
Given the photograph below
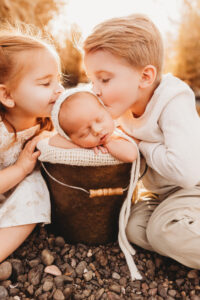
x,y
91,124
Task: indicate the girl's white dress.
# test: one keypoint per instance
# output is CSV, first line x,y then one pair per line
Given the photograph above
x,y
29,201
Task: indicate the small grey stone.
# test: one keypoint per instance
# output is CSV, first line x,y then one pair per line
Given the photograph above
x,y
99,293
180,281
47,285
88,275
116,276
81,267
162,291
193,274
5,270
35,274
68,292
115,288
34,262
14,291
172,293
3,292
86,293
44,296
58,295
101,258
30,289
113,296
17,266
6,283
47,257
38,292
59,241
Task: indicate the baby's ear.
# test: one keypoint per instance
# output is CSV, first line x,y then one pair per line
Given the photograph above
x,y
148,76
5,97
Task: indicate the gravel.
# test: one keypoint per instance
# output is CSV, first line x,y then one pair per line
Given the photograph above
x,y
46,267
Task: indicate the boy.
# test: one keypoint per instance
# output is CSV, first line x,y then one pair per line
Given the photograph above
x,y
124,60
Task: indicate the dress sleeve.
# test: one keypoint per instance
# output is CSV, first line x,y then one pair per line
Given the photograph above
x,y
178,157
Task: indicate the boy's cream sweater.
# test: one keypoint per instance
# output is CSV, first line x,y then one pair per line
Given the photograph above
x,y
169,131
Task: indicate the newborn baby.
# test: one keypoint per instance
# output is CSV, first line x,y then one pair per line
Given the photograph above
x,y
82,121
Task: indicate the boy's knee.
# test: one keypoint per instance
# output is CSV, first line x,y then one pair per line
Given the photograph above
x,y
164,234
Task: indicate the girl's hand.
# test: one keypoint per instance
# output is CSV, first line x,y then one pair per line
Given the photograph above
x,y
28,157
101,148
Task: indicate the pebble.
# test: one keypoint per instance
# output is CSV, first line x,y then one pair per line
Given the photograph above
x,y
81,267
88,275
17,267
3,292
59,241
116,276
101,258
99,293
53,269
58,295
93,273
68,292
193,274
5,270
47,285
89,254
115,288
35,274
47,257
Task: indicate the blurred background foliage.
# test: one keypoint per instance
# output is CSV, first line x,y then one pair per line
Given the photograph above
x,y
183,52
44,14
182,49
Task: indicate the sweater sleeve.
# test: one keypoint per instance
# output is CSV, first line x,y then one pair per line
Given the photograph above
x,y
178,158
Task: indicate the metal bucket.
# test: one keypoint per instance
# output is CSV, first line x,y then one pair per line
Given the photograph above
x,y
75,215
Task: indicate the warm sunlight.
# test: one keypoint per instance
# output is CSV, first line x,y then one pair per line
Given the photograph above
x,y
88,13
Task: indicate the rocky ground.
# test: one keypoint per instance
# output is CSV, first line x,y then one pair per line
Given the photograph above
x,y
45,267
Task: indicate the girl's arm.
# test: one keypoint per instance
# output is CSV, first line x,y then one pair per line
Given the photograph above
x,y
12,175
58,141
122,149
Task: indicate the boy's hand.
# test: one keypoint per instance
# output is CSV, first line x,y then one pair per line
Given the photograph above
x,y
28,157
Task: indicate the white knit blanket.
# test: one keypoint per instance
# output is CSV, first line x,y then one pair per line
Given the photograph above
x,y
76,156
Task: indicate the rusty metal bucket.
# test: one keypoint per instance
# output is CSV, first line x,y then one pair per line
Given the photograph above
x,y
76,216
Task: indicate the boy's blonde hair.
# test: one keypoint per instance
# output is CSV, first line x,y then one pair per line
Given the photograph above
x,y
134,38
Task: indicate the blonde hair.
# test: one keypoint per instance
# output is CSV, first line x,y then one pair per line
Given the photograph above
x,y
134,38
14,41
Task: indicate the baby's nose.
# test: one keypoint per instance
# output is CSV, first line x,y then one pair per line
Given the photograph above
x,y
96,129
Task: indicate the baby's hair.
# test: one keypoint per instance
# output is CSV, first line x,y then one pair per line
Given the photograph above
x,y
74,100
14,40
134,38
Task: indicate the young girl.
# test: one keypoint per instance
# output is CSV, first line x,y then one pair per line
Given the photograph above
x,y
124,59
29,86
82,121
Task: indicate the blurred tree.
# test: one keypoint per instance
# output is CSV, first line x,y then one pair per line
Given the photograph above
x,y
35,12
41,13
71,58
187,60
